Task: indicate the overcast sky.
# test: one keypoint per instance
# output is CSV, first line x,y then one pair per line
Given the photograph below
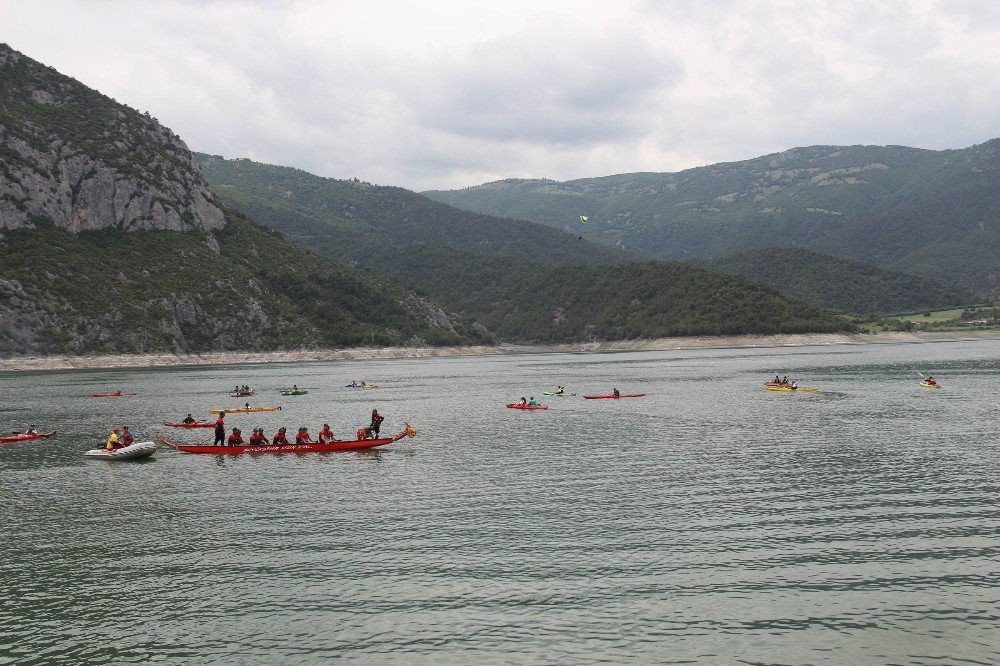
x,y
440,94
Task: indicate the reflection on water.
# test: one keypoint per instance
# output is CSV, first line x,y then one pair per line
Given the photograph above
x,y
710,521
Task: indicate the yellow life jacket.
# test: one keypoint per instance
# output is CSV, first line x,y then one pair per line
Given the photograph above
x,y
112,441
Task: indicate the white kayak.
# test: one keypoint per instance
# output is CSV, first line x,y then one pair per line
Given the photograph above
x,y
130,452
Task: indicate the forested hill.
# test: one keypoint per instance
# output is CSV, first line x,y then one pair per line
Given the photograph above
x,y
931,212
111,241
841,284
551,293
370,216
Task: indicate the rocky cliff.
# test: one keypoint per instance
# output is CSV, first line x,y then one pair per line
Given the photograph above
x,y
108,166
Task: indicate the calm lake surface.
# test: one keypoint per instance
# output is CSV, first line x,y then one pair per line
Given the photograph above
x,y
709,522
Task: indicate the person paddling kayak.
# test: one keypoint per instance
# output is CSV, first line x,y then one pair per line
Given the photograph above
x,y
188,418
930,380
32,430
532,402
113,441
220,430
524,401
616,393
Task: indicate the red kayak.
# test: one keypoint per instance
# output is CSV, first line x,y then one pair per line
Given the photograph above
x,y
110,395
24,437
196,424
290,448
518,405
612,396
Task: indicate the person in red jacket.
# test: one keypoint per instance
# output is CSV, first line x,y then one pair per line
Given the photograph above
x,y
302,436
280,438
257,438
220,430
235,439
326,435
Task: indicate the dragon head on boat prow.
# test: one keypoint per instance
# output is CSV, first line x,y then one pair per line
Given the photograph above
x,y
410,431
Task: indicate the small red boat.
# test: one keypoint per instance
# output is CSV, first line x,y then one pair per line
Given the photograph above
x,y
518,405
24,437
110,395
196,424
290,448
612,396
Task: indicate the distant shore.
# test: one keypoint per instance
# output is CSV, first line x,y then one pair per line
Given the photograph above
x,y
112,361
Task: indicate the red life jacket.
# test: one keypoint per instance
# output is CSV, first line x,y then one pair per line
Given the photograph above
x,y
235,440
279,438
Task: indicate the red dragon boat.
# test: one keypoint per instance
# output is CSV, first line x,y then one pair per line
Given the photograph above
x,y
353,445
25,437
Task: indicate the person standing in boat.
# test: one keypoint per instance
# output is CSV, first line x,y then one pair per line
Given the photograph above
x,y
376,423
220,430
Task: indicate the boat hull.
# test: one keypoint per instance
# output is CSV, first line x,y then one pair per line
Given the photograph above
x,y
287,448
244,410
526,407
933,386
111,395
26,438
613,397
558,395
787,389
196,424
131,452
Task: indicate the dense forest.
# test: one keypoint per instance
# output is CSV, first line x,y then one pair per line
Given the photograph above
x,y
560,289
935,213
842,284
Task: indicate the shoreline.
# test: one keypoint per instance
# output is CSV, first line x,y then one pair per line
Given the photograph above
x,y
159,360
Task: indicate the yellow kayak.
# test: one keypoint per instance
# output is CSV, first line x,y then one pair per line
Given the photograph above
x,y
789,389
238,410
926,385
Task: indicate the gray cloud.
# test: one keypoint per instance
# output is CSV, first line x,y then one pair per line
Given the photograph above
x,y
453,93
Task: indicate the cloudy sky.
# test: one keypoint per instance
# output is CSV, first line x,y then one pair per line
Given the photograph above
x,y
441,94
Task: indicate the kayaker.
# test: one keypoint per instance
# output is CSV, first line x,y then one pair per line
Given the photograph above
x,y
32,430
793,386
127,438
326,435
560,391
531,402
931,381
235,439
776,380
188,418
524,401
220,430
616,393
280,437
246,405
302,436
784,380
113,442
376,423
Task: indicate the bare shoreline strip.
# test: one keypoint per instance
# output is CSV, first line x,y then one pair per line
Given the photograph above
x,y
110,361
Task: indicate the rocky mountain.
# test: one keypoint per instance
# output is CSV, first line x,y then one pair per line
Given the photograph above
x,y
524,281
931,212
841,284
112,241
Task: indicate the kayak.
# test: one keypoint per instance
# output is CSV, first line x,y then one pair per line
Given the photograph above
x,y
244,410
558,395
518,405
24,437
368,386
110,395
130,452
352,445
612,396
789,389
196,424
299,392
775,384
240,394
926,385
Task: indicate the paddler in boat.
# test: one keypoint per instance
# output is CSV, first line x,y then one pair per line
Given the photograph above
x,y
616,393
376,423
32,430
326,435
793,386
188,418
560,390
532,402
220,430
931,381
235,439
280,437
524,401
246,405
257,437
127,438
777,380
784,380
302,436
113,441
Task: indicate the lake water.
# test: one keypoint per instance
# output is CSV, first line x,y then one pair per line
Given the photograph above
x,y
709,522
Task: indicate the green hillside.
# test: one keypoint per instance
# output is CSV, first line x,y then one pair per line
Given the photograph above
x,y
545,287
113,242
888,205
841,284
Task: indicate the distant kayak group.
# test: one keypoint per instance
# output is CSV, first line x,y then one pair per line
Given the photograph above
x,y
786,385
531,403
